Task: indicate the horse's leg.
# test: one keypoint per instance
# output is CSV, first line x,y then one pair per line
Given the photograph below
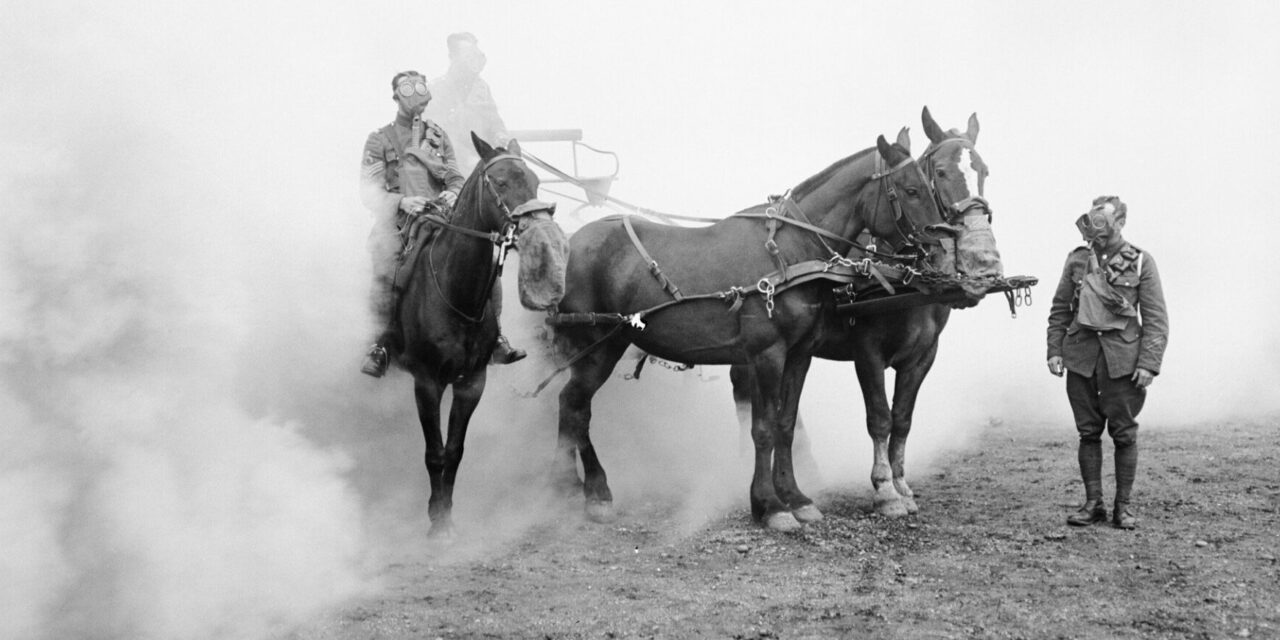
x,y
587,376
466,395
879,423
427,392
743,388
766,402
784,477
906,389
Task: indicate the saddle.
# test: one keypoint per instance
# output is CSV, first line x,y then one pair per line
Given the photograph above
x,y
415,233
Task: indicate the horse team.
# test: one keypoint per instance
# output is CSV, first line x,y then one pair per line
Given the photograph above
x,y
754,291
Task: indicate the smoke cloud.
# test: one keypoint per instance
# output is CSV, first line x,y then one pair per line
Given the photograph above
x,y
186,447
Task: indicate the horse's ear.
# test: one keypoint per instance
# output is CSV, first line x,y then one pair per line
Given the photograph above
x,y
481,146
891,155
904,138
931,128
972,133
513,148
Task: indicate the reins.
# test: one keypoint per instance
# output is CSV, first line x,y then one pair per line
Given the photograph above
x,y
502,240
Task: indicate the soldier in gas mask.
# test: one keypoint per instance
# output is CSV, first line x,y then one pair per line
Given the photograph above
x,y
1107,333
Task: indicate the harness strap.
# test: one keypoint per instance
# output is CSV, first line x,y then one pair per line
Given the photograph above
x,y
667,285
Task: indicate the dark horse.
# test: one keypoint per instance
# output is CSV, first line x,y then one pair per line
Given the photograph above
x,y
617,269
449,326
907,340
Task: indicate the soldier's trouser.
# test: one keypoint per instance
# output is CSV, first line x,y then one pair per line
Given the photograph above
x,y
1101,402
384,243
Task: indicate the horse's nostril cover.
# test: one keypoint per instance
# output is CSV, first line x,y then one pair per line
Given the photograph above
x,y
544,254
976,247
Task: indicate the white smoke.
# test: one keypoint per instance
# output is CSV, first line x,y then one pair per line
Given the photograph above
x,y
186,449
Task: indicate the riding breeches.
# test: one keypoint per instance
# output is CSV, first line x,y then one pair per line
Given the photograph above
x,y
1101,402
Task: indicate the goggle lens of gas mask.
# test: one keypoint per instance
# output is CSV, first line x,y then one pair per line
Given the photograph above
x,y
1092,223
410,87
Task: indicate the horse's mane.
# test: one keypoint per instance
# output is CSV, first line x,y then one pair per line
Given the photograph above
x,y
467,196
812,182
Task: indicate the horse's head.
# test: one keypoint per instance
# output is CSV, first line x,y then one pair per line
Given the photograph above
x,y
957,175
503,188
904,213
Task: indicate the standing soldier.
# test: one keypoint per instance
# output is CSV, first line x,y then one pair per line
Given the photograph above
x,y
1107,332
408,165
463,102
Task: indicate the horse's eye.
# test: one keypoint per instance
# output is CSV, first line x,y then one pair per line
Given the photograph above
x,y
500,182
912,191
941,173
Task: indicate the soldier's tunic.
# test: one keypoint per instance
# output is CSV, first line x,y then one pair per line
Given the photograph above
x,y
461,108
393,167
1102,342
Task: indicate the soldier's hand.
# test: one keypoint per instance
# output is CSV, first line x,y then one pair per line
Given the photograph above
x,y
449,198
1055,366
413,204
1143,378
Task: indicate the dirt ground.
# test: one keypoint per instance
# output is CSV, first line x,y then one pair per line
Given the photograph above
x,y
988,556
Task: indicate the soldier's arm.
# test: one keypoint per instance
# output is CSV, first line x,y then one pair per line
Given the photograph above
x,y
373,169
1060,312
489,107
1155,319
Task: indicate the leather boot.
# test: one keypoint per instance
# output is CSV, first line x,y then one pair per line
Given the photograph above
x,y
1121,518
376,361
1126,470
1090,458
1091,512
504,353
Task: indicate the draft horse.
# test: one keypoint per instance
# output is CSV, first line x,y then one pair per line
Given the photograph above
x,y
638,276
448,325
907,339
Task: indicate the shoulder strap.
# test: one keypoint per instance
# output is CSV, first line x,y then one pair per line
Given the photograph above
x,y
389,132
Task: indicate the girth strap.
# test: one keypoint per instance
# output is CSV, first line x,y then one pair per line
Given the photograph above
x,y
667,285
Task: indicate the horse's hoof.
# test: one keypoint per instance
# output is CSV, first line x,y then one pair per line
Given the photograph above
x,y
910,504
441,533
782,521
600,511
807,513
891,508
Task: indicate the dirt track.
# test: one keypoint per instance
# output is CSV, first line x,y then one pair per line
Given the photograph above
x,y
988,556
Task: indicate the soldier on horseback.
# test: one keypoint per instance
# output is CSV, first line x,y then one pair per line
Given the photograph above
x,y
409,167
1107,332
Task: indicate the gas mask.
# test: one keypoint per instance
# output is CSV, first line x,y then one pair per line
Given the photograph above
x,y
1099,221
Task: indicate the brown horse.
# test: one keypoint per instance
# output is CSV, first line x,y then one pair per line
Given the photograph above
x,y
449,326
907,340
640,270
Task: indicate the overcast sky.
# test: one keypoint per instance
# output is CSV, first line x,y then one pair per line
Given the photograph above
x,y
182,259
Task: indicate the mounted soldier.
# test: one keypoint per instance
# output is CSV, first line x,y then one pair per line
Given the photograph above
x,y
463,102
409,167
1107,332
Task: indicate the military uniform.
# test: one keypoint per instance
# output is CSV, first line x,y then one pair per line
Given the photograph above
x,y
394,166
1107,320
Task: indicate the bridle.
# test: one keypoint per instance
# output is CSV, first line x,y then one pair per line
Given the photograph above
x,y
911,233
503,240
785,209
955,211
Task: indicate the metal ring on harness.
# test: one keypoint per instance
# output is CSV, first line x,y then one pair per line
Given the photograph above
x,y
767,288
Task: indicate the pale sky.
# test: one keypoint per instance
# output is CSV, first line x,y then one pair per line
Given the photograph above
x,y
183,247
